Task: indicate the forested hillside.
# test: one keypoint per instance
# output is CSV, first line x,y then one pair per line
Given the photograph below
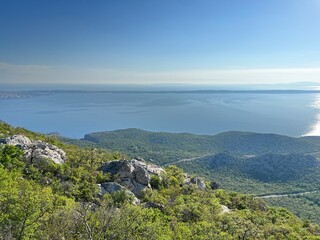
x,y
45,199
169,147
258,164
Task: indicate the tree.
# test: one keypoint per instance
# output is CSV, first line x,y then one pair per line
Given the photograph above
x,y
11,157
22,205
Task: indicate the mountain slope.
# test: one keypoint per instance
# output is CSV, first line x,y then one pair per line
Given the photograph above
x,y
271,163
169,147
46,200
252,163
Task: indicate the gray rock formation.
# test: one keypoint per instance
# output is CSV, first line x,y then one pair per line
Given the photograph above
x,y
214,185
35,150
151,168
20,141
154,205
199,183
111,187
224,210
187,178
132,174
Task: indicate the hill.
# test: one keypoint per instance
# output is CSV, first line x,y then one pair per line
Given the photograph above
x,y
91,194
170,147
254,163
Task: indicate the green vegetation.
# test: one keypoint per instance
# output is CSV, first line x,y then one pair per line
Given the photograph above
x,y
169,147
49,201
257,164
305,206
10,157
264,174
246,162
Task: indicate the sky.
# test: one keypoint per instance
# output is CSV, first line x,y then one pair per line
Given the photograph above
x,y
159,41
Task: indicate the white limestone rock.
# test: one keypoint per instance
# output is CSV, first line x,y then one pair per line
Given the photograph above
x,y
35,150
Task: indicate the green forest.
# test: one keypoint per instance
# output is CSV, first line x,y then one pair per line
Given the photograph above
x,y
252,163
45,200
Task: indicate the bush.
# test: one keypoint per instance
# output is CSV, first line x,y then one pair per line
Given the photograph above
x,y
11,157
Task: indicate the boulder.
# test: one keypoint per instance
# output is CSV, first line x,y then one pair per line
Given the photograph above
x,y
224,210
20,141
187,178
132,174
123,168
141,174
151,168
154,205
214,185
199,183
35,150
111,187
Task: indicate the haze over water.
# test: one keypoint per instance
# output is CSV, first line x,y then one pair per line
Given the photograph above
x,y
75,113
149,44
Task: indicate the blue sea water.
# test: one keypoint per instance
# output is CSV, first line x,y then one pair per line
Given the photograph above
x,y
75,113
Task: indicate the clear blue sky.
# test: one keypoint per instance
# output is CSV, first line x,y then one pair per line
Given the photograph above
x,y
163,41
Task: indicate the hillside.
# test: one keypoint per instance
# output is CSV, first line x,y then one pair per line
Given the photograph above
x,y
252,163
262,158
169,147
51,190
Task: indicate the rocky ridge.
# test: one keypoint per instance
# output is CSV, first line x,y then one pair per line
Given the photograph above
x,y
135,175
36,150
131,176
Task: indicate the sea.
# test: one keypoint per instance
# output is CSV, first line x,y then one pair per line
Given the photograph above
x,y
73,111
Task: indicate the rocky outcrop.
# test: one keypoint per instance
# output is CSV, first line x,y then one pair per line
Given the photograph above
x,y
187,178
35,150
224,210
111,187
199,183
214,185
129,174
154,205
151,168
20,141
132,174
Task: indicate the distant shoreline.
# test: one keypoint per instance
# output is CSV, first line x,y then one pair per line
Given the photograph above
x,y
164,91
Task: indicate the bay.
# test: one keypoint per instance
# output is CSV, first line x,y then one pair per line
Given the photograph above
x,y
75,113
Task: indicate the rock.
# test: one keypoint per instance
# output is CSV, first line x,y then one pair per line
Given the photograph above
x,y
35,150
187,178
141,174
224,210
20,141
122,168
151,168
111,187
214,185
199,183
139,189
154,205
133,174
263,206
